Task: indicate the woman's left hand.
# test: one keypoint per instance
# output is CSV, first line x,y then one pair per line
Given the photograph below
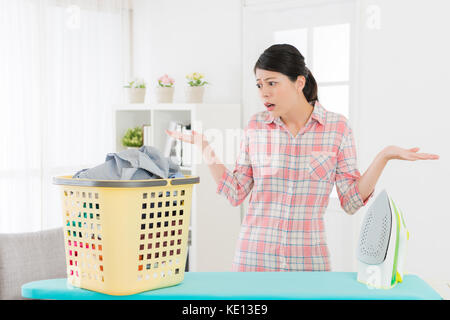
x,y
367,181
394,152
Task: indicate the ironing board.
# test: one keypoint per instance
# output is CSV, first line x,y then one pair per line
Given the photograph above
x,y
248,286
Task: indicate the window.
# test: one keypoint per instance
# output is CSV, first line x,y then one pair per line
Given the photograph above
x,y
61,71
327,53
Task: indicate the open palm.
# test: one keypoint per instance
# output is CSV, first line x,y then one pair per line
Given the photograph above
x,y
394,152
194,138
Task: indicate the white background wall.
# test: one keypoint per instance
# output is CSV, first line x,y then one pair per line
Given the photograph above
x,y
403,83
180,37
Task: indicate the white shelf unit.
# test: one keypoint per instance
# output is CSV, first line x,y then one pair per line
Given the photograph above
x,y
215,224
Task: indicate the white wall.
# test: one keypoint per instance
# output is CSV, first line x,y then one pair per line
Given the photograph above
x,y
179,37
404,85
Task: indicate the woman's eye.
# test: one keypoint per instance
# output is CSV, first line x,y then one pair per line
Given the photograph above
x,y
271,82
258,85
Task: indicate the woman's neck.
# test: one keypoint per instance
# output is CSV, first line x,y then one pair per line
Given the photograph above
x,y
298,115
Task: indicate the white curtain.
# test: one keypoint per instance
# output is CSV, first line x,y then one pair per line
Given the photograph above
x,y
62,67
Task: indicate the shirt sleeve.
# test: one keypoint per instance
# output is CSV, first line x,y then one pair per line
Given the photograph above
x,y
236,185
347,175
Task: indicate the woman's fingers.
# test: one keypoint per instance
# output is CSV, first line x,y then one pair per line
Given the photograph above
x,y
421,156
194,138
180,136
411,154
427,156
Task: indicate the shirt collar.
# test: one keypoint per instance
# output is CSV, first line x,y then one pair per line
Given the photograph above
x,y
318,115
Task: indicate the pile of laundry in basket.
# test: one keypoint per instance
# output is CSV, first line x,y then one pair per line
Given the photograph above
x,y
133,164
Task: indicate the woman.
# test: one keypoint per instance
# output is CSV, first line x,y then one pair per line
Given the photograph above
x,y
291,156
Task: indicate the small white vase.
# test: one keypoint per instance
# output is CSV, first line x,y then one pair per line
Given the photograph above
x,y
136,95
164,94
194,94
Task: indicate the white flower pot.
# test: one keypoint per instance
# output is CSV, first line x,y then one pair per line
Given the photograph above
x,y
194,94
136,95
164,94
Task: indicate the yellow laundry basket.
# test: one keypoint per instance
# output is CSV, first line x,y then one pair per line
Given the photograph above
x,y
125,236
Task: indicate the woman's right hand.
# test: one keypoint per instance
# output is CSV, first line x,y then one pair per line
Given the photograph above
x,y
195,138
217,168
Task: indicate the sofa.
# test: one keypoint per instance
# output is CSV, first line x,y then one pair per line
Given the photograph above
x,y
32,256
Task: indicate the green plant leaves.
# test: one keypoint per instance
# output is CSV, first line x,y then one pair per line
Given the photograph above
x,y
197,83
136,84
133,137
164,85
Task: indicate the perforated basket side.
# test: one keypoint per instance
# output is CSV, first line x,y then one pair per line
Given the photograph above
x,y
126,240
83,235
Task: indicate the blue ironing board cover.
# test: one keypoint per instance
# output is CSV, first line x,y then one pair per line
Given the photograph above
x,y
248,286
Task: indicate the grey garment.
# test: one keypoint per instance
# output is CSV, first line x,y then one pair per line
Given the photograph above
x,y
133,164
31,256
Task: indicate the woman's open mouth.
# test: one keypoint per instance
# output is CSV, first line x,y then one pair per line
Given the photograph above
x,y
269,106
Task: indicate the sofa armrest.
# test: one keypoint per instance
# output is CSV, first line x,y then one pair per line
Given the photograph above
x,y
32,256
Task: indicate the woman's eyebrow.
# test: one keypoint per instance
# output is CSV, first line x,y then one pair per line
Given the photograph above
x,y
266,79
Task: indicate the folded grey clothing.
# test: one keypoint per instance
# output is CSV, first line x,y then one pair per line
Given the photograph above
x,y
133,164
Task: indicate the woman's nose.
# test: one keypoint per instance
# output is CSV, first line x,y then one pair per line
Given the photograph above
x,y
265,93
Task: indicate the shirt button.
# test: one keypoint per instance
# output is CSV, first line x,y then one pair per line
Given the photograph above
x,y
290,189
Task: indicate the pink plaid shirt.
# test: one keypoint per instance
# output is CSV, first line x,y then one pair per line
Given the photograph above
x,y
291,179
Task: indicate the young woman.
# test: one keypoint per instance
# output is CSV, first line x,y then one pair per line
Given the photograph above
x,y
291,155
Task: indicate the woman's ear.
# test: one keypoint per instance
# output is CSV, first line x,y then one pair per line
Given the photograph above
x,y
300,83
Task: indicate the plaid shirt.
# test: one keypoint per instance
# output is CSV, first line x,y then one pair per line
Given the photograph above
x,y
291,179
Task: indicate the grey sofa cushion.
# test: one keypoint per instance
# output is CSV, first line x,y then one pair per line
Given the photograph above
x,y
32,256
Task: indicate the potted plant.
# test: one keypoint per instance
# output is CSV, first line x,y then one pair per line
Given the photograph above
x,y
133,138
165,89
195,90
136,91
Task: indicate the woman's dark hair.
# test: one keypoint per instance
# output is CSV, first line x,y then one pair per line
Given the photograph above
x,y
286,59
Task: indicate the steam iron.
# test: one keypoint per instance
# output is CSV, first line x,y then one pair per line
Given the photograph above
x,y
382,244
